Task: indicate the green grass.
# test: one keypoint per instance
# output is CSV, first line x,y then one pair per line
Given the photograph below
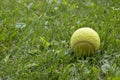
x,y
35,37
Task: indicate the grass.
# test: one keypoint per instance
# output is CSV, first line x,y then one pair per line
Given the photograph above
x,y
35,37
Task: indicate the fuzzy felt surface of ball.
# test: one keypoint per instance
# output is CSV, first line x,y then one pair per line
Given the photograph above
x,y
85,41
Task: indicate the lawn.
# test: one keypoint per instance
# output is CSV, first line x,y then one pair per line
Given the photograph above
x,y
35,39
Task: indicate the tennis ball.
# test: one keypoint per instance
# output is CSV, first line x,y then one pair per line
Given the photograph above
x,y
85,41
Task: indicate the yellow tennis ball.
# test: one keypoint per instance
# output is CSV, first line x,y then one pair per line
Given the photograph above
x,y
85,41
